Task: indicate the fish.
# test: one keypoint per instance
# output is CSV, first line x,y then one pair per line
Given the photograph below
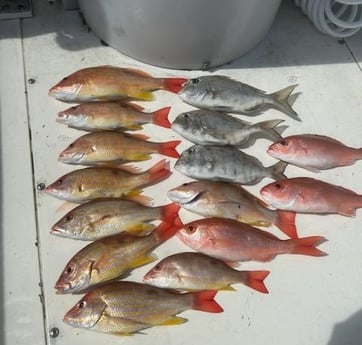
x,y
105,217
309,195
229,200
86,184
314,152
232,241
221,93
125,308
194,271
95,116
110,83
225,163
205,127
110,258
114,147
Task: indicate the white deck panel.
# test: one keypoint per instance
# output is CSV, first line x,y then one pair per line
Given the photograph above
x,y
314,301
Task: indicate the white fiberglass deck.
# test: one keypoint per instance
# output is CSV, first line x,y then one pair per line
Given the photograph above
x,y
312,301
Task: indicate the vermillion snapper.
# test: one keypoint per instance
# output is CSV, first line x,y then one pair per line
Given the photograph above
x,y
109,83
221,93
314,152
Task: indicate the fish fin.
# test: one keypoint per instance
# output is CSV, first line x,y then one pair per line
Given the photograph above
x,y
285,221
233,264
142,95
159,171
160,117
255,280
227,288
139,136
307,245
277,170
347,210
169,148
204,301
140,157
132,106
173,84
164,231
280,101
128,326
169,212
143,260
142,228
268,128
129,168
174,320
133,127
136,195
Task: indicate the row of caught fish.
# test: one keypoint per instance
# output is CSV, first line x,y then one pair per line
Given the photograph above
x,y
220,93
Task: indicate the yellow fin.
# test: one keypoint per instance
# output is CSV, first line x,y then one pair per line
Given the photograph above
x,y
259,223
140,157
142,95
143,260
141,227
134,127
227,288
175,320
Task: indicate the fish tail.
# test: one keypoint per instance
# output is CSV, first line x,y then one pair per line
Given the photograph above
x,y
169,148
159,171
204,301
255,280
160,117
164,231
169,212
268,128
285,221
173,84
280,101
277,170
307,246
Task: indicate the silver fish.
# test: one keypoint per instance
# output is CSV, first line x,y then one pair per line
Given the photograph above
x,y
225,94
225,163
205,127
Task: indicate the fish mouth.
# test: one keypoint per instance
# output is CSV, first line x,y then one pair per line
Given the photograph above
x,y
184,198
62,117
69,157
62,288
57,230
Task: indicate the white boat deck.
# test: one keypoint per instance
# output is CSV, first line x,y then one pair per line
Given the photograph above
x,y
312,301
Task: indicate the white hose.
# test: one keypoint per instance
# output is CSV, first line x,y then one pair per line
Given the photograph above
x,y
337,18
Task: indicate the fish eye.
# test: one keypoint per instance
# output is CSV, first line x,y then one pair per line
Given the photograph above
x,y
69,269
71,145
277,185
65,78
69,217
195,81
186,115
190,229
73,108
191,150
283,142
59,182
82,304
185,184
157,268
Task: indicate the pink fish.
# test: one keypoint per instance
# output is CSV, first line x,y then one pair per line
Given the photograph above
x,y
308,195
230,240
314,152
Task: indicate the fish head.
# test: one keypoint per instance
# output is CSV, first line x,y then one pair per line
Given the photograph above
x,y
186,193
194,234
73,116
87,312
61,188
69,226
285,148
164,274
185,122
194,89
279,194
75,276
190,159
77,150
67,89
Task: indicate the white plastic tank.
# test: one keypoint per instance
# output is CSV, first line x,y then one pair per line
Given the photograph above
x,y
183,34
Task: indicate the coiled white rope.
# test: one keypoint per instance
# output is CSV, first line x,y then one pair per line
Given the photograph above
x,y
337,18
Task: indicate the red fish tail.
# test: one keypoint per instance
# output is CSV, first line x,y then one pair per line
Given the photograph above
x,y
160,117
204,301
169,148
164,231
307,245
285,221
159,171
169,213
173,84
255,280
